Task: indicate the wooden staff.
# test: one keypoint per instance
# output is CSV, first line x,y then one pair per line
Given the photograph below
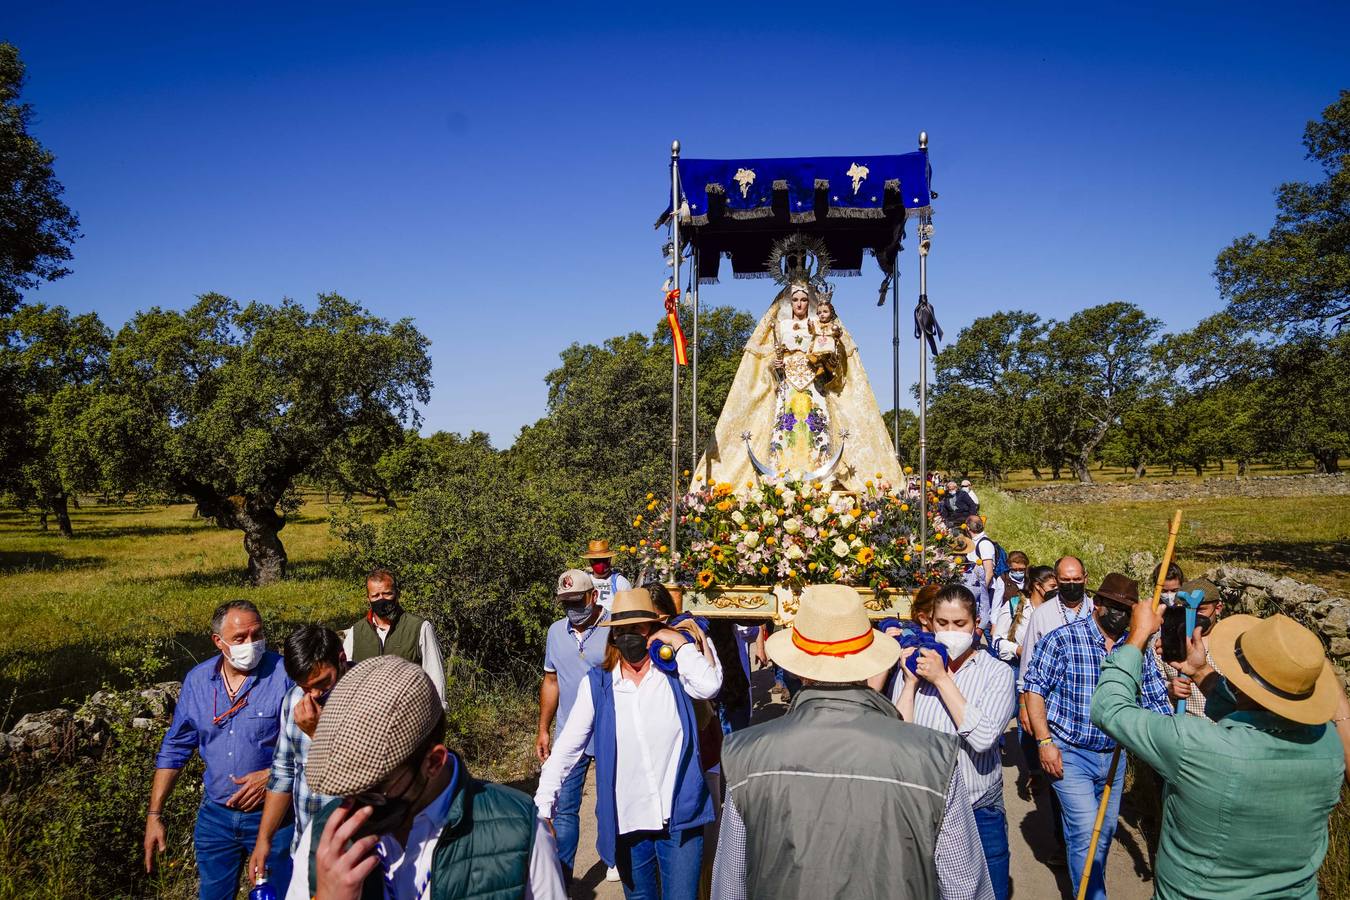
x,y
1115,754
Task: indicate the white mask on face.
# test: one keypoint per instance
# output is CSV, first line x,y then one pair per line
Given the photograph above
x,y
956,642
245,656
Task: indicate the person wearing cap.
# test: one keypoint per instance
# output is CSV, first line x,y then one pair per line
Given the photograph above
x,y
608,582
839,798
1247,801
1180,686
573,647
1074,752
412,821
970,492
228,712
955,506
388,628
651,800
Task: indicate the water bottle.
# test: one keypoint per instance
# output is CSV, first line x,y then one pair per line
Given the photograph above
x,y
262,891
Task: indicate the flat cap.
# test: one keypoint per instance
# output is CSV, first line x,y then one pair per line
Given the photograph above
x,y
377,715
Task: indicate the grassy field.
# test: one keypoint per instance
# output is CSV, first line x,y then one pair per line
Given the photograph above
x,y
1023,478
87,609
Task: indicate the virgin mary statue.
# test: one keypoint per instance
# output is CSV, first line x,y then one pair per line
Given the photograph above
x,y
800,405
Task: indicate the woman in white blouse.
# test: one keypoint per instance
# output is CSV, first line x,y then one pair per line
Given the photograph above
x,y
972,698
651,799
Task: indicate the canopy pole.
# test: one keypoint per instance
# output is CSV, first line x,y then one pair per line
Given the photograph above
x,y
895,357
923,387
674,358
693,403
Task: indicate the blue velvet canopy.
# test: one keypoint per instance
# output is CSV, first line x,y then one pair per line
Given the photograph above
x,y
739,207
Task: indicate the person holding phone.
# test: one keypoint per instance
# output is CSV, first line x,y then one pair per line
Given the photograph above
x,y
651,800
411,821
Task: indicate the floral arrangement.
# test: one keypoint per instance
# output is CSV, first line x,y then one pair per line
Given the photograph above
x,y
791,532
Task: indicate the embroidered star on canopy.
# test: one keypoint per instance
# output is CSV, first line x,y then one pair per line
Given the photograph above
x,y
745,178
858,174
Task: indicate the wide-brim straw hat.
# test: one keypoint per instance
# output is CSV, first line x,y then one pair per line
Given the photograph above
x,y
831,638
1279,664
631,608
598,550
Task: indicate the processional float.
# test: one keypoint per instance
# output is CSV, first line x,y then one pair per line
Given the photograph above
x,y
799,221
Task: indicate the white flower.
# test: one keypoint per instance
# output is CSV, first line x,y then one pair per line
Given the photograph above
x,y
819,515
846,520
839,547
751,539
794,552
738,517
792,526
788,498
856,543
769,517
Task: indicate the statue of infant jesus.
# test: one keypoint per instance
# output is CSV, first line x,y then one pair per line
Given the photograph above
x,y
824,353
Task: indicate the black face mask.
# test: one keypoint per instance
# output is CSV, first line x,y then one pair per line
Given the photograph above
x,y
385,609
1113,620
632,646
1051,595
1071,594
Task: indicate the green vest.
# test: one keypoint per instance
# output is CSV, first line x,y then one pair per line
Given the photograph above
x,y
483,852
840,799
402,639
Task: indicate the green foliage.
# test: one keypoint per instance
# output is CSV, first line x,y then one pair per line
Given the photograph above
x,y
36,227
1298,276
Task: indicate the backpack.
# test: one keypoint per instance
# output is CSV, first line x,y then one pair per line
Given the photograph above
x,y
1001,566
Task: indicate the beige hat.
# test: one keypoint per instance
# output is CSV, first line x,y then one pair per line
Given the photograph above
x,y
598,550
377,715
831,638
631,608
574,581
1278,663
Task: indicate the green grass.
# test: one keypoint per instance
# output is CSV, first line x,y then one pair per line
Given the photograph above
x,y
81,611
1022,478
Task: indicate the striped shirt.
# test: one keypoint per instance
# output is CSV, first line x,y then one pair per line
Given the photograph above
x,y
1046,618
288,768
959,855
987,685
1064,671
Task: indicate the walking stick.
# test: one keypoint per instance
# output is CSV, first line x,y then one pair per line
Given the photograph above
x,y
1115,754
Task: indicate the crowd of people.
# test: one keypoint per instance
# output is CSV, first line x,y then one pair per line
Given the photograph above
x,y
328,773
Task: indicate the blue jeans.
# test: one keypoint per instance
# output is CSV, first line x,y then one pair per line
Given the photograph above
x,y
992,823
224,839
1079,792
658,865
566,815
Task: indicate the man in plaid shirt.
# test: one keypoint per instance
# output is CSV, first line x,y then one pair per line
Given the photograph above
x,y
314,661
1059,683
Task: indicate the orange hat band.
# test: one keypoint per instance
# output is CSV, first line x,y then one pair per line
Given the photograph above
x,y
832,648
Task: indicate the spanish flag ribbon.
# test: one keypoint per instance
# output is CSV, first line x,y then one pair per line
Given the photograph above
x,y
832,648
673,317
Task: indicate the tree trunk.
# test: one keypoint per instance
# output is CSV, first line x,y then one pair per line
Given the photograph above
x,y
1054,472
1082,469
1199,469
1326,462
1036,473
1242,467
1139,470
42,519
1174,469
62,513
1220,463
258,519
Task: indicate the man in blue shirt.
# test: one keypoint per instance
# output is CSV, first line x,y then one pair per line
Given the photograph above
x,y
573,648
1075,753
229,711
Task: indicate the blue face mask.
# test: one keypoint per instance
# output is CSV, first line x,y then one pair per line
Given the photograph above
x,y
1019,578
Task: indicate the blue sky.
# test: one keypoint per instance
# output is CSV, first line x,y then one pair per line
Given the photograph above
x,y
495,175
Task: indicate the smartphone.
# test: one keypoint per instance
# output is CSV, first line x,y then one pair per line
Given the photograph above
x,y
1175,637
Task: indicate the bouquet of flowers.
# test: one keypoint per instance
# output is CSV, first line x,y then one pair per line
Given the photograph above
x,y
789,532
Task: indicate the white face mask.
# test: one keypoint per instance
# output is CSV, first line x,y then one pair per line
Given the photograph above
x,y
956,642
245,656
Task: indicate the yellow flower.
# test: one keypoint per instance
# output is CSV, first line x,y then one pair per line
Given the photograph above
x,y
919,547
904,507
782,512
651,506
878,474
749,484
855,512
866,555
698,520
806,506
813,566
909,470
686,473
705,579
852,537
907,557
642,543
868,482
770,540
724,506
637,521
838,574
816,485
764,570
650,495
717,553
664,548
778,491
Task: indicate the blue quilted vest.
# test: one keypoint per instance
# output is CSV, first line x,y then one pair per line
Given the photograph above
x,y
692,805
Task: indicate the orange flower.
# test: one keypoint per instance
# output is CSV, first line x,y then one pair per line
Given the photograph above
x,y
705,579
866,555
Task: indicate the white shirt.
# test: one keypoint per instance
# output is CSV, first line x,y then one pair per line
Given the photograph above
x,y
432,663
610,585
1006,646
410,868
971,492
1044,619
648,738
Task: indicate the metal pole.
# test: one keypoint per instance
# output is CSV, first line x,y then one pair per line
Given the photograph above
x,y
674,361
895,358
693,403
923,389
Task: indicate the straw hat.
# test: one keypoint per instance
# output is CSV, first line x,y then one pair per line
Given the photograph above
x,y
632,608
831,638
598,550
1279,664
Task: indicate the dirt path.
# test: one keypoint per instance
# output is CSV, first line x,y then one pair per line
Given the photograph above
x,y
1128,873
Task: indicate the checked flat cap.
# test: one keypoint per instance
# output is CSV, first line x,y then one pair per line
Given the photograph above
x,y
377,715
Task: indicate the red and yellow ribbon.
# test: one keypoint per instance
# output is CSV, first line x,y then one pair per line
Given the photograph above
x,y
832,648
677,334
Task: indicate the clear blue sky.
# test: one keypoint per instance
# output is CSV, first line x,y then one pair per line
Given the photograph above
x,y
496,175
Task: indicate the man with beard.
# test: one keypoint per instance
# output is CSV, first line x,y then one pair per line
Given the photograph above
x,y
314,661
389,629
1075,753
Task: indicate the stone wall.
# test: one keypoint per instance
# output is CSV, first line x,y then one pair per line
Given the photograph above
x,y
65,734
1263,594
1210,488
